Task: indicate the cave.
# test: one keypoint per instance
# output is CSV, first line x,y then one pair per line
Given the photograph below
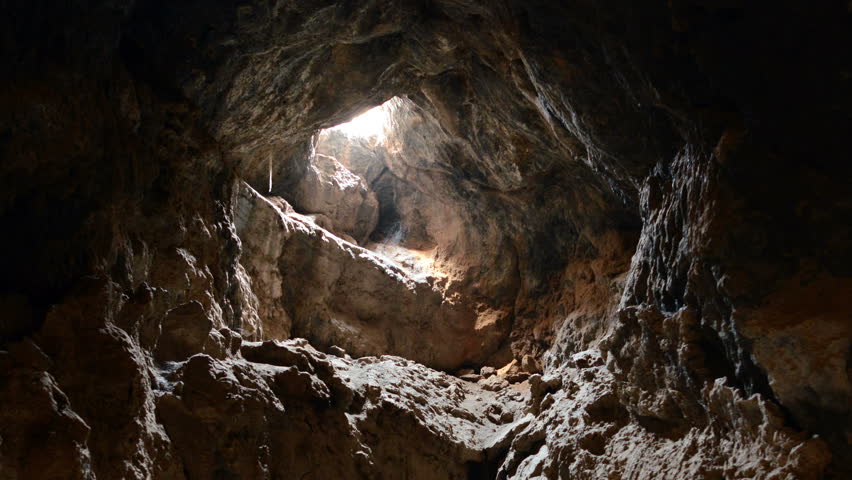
x,y
426,239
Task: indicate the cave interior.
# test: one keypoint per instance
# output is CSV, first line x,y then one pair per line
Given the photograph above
x,y
426,239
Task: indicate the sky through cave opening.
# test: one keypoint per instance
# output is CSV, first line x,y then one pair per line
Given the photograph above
x,y
368,125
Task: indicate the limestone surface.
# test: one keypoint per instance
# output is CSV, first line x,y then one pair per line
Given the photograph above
x,y
601,239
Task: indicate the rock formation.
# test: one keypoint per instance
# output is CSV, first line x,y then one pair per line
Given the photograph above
x,y
597,240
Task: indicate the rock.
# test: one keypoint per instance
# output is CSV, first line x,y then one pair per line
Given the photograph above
x,y
509,368
587,359
512,373
288,394
494,383
233,340
275,353
497,415
337,351
540,387
547,402
262,244
352,290
217,345
343,199
487,371
361,156
664,183
186,330
65,454
530,365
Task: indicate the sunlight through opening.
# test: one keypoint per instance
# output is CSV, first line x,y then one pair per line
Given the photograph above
x,y
370,124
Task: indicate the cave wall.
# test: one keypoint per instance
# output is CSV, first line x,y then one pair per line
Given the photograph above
x,y
673,178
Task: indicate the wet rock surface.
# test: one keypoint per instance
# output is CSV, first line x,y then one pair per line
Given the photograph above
x,y
634,214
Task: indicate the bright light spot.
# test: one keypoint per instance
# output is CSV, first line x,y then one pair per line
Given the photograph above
x,y
367,125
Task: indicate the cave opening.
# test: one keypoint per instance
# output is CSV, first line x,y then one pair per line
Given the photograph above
x,y
349,189
368,125
398,248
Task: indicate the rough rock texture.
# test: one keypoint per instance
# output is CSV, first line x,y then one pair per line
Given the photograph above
x,y
431,221
332,292
331,190
638,208
582,430
300,407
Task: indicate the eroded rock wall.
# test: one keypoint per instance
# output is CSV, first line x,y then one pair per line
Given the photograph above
x,y
661,190
315,285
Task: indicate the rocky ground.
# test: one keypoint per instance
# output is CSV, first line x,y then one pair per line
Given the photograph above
x,y
603,240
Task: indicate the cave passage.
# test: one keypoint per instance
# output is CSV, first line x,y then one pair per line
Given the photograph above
x,y
361,147
425,239
361,187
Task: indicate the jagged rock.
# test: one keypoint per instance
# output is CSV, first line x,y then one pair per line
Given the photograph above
x,y
512,372
186,330
661,182
337,351
392,308
31,400
340,196
494,383
587,359
540,388
361,156
232,340
306,407
530,365
511,367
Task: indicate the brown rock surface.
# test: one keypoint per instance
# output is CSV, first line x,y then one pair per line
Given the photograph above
x,y
330,189
639,209
333,292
